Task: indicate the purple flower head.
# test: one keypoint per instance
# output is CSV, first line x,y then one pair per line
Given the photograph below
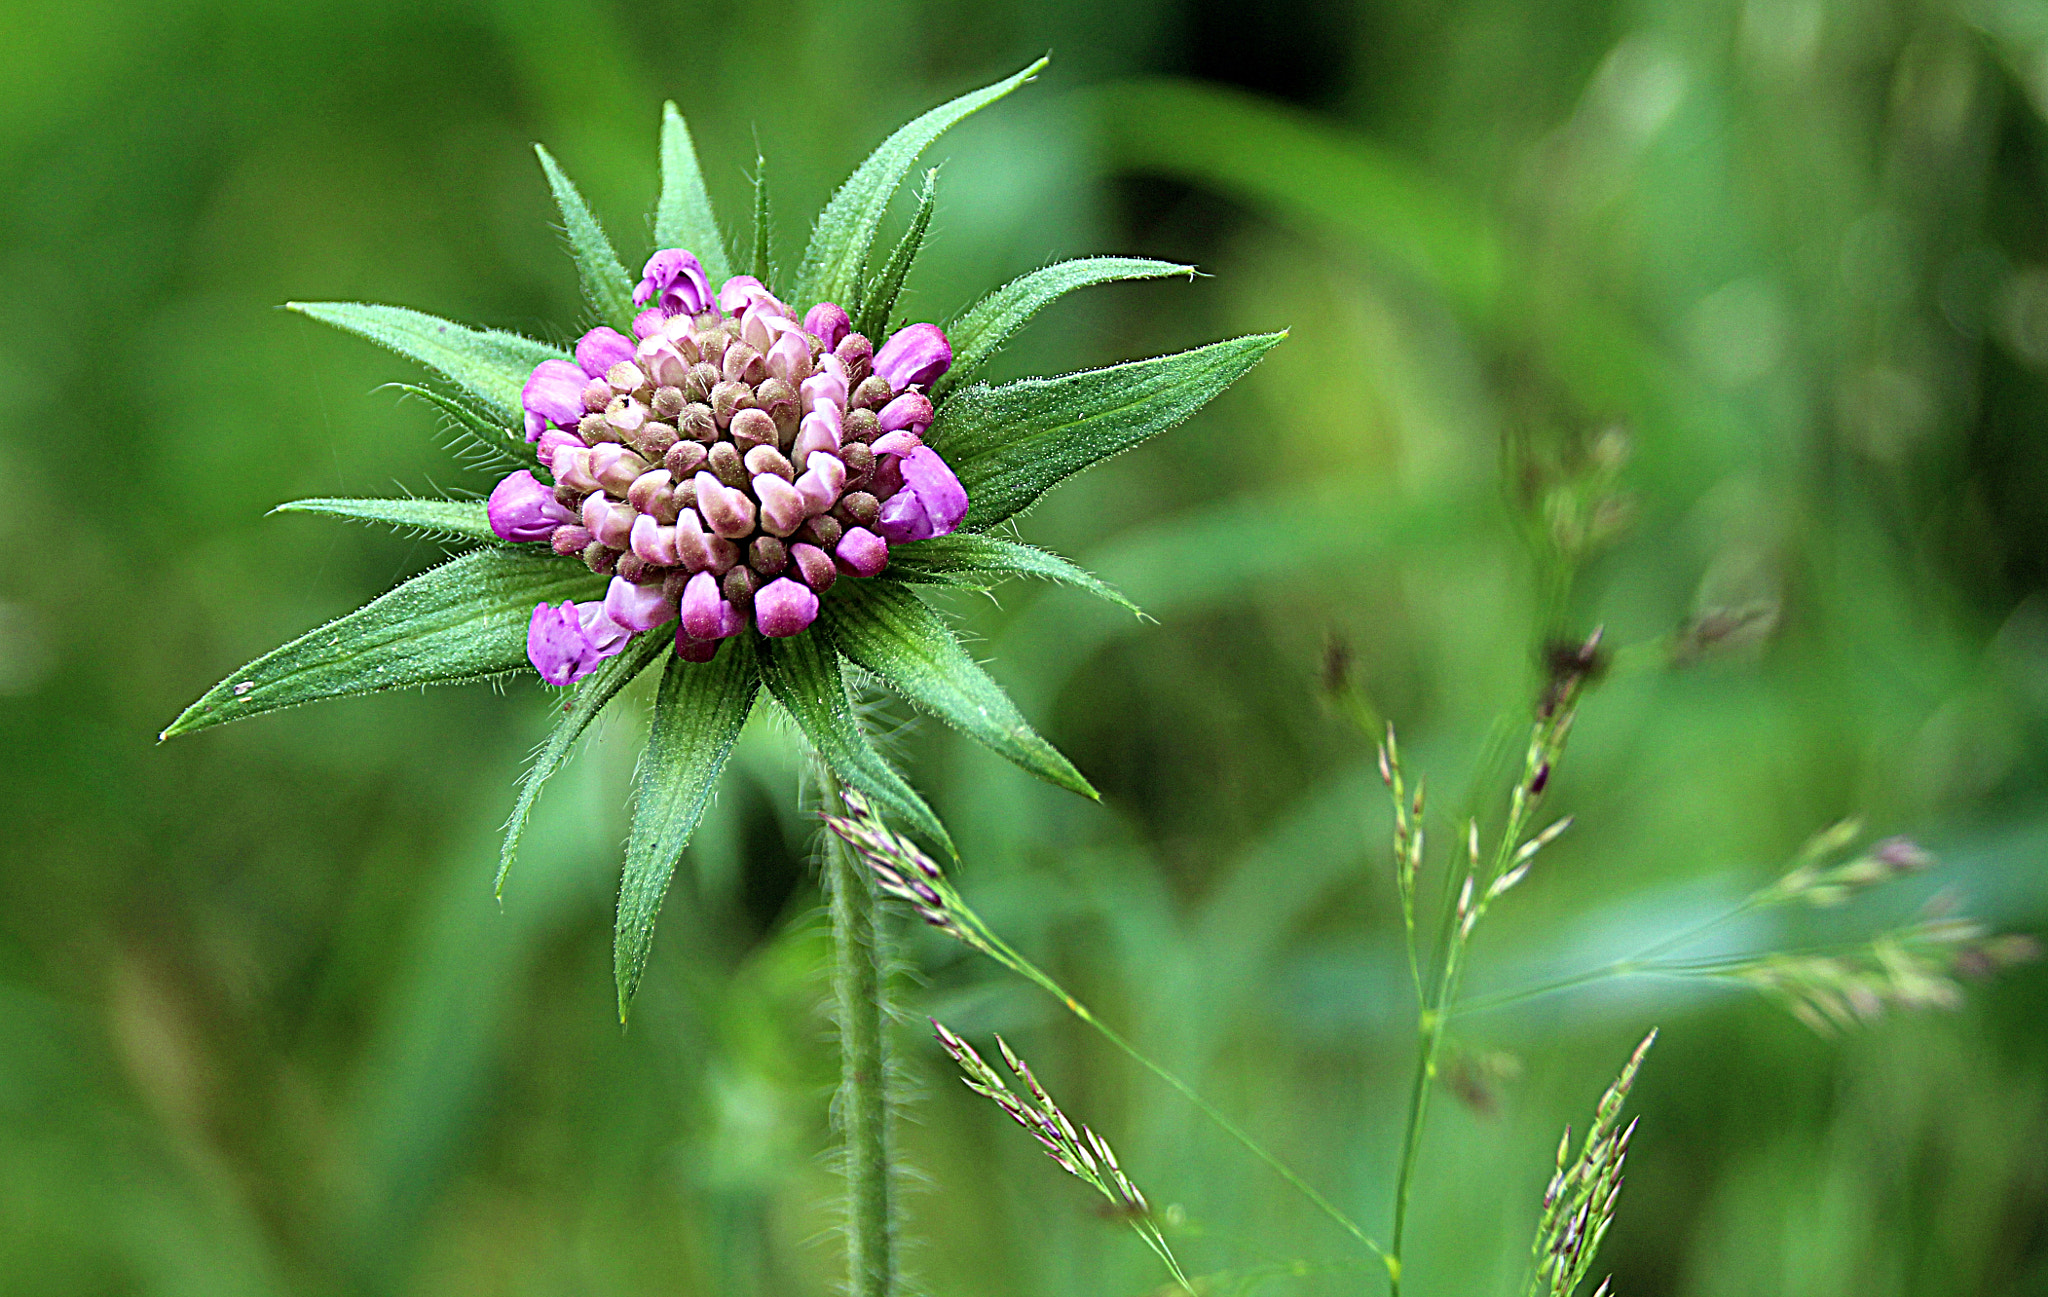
x,y
674,281
783,607
931,503
829,322
522,509
553,395
566,643
600,349
916,355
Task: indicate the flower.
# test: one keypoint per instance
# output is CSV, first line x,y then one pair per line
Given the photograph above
x,y
764,478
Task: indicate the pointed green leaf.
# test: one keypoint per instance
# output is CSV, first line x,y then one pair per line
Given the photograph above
x,y
977,562
585,702
465,518
888,630
491,445
698,716
981,332
1013,443
838,255
803,674
489,364
464,620
878,299
683,218
605,283
759,264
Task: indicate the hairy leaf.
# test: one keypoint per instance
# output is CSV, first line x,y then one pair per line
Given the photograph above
x,y
491,444
889,631
464,620
989,323
605,282
1013,443
977,562
760,263
698,716
803,674
588,699
489,364
877,302
838,254
683,217
465,518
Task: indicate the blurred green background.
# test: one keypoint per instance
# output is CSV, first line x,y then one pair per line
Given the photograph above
x,y
263,1029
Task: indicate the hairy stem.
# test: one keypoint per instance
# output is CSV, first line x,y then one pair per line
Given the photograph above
x,y
857,984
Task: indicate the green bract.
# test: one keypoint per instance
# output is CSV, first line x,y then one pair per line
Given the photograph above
x,y
1009,443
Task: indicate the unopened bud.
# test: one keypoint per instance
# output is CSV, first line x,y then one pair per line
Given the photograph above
x,y
767,459
615,467
668,404
861,509
626,414
751,428
631,567
859,461
570,540
652,440
739,586
743,364
625,377
728,399
727,466
873,393
697,384
779,399
684,459
823,531
597,394
641,494
790,358
768,556
593,428
816,565
600,559
858,355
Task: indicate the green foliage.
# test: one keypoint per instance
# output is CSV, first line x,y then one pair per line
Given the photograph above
x,y
1013,443
803,674
977,562
490,364
683,216
837,258
877,300
981,332
886,629
697,718
464,620
465,519
586,701
488,445
606,285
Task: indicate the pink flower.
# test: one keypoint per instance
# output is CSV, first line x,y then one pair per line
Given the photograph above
x,y
783,607
915,355
522,509
828,321
931,503
861,552
636,607
553,395
600,349
674,281
566,643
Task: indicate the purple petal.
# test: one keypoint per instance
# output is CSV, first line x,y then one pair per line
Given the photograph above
x,y
915,355
900,442
701,604
674,281
566,643
521,509
636,607
829,322
783,607
911,412
937,487
553,394
904,519
862,552
600,349
551,441
742,291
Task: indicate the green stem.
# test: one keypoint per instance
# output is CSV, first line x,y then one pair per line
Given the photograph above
x,y
857,984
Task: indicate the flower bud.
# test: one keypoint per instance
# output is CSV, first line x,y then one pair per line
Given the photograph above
x,y
566,643
858,355
649,322
887,478
569,498
684,459
735,295
782,509
684,493
615,467
652,441
727,466
828,322
597,394
873,393
626,414
768,556
682,331
521,509
932,502
572,468
900,442
697,384
823,531
779,400
819,433
767,459
691,649
817,567
668,404
726,511
702,606
601,558
692,545
739,586
641,494
654,542
553,395
698,423
860,465
790,358
636,607
823,389
861,509
784,607
821,483
673,280
743,364
861,552
593,428
609,521
551,441
751,428
601,348
632,567
912,411
625,377
914,356
728,399
662,361
860,425
570,541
